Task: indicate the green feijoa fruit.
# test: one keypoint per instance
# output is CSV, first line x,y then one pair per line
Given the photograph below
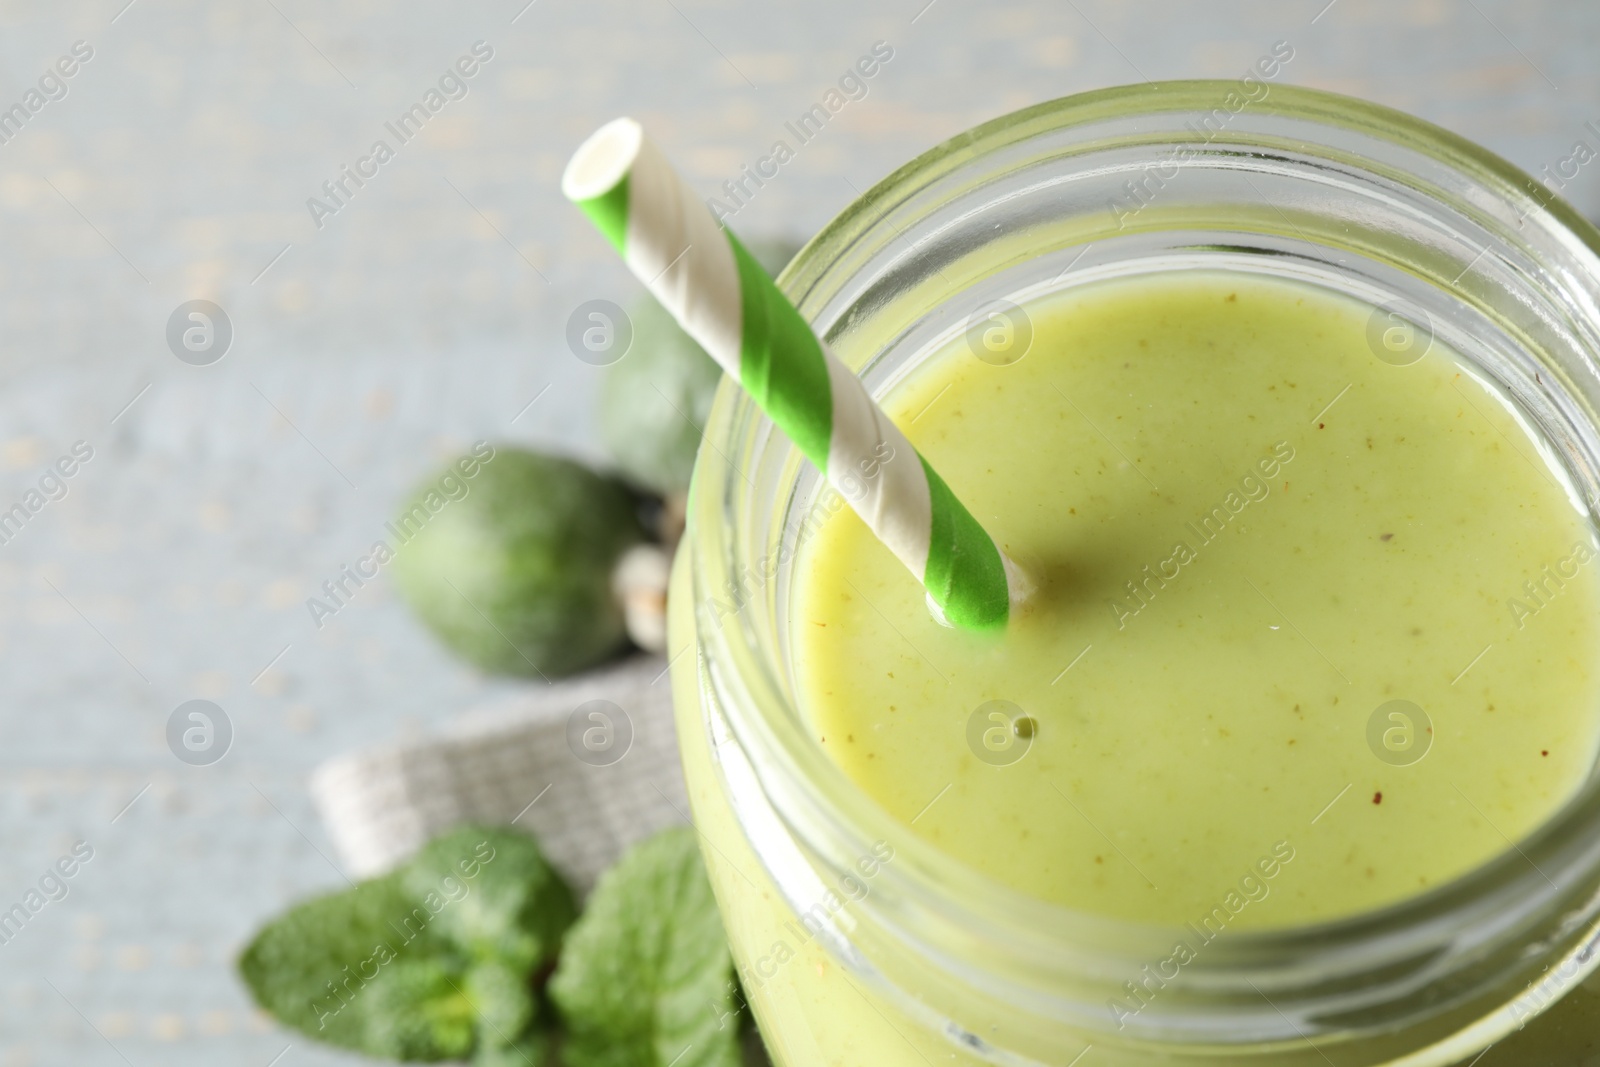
x,y
511,565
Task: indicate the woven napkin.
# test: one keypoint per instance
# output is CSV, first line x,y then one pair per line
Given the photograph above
x,y
587,765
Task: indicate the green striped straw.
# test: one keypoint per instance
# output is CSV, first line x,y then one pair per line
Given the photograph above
x,y
725,301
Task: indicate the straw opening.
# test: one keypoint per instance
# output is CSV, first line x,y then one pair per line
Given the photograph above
x,y
603,160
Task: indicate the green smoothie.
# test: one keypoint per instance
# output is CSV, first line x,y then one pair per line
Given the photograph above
x,y
1315,632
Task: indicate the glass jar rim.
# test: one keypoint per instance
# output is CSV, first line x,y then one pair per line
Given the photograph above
x,y
836,818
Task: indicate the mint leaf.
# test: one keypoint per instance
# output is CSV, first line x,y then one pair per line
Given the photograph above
x,y
432,962
492,893
529,1051
502,996
340,969
645,979
416,1011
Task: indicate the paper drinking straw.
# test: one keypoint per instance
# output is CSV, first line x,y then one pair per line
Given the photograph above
x,y
725,301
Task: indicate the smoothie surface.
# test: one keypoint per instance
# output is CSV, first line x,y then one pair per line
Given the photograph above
x,y
1251,537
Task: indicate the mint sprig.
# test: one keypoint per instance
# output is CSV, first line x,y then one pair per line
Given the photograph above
x,y
443,959
432,962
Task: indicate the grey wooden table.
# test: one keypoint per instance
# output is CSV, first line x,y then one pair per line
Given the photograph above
x,y
176,162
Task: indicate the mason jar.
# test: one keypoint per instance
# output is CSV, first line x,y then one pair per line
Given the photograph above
x,y
858,942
